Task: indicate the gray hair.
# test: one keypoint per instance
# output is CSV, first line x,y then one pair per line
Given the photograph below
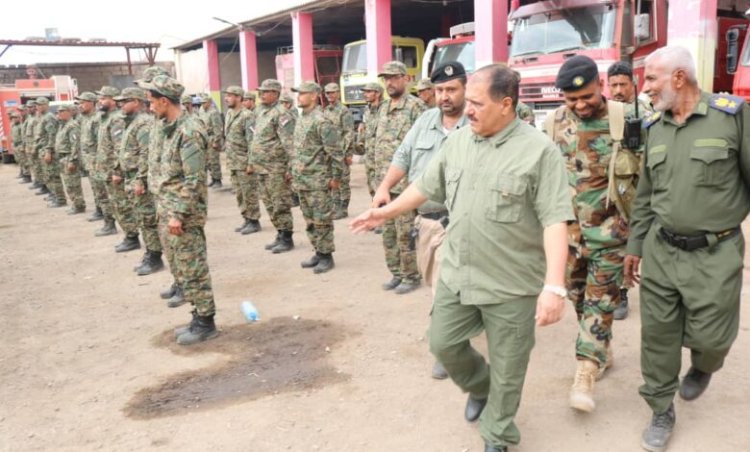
x,y
675,58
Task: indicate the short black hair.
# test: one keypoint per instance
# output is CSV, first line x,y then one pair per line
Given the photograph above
x,y
504,82
620,68
158,95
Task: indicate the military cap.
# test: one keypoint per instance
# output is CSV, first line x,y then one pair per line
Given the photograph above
x,y
447,72
165,86
309,87
576,72
42,101
108,91
205,97
21,107
31,103
131,93
424,84
270,84
150,72
186,99
87,96
249,95
66,107
236,90
332,88
12,114
372,86
286,98
393,68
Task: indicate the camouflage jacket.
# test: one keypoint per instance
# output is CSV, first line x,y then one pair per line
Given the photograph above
x,y
342,118
366,134
67,141
394,121
44,134
318,156
109,136
28,134
16,130
134,144
150,164
89,131
525,114
238,130
214,127
586,147
182,171
272,140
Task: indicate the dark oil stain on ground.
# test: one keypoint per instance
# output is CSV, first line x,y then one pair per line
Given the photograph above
x,y
280,355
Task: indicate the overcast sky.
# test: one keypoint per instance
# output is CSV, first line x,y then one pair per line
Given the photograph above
x,y
168,22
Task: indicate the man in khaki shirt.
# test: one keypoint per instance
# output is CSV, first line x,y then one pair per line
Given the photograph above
x,y
505,188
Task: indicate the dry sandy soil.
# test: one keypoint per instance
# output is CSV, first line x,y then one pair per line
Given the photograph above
x,y
335,364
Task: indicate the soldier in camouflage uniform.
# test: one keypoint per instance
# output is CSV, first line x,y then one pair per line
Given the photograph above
x,y
525,114
238,130
32,118
248,100
426,92
342,118
395,118
269,159
287,102
316,170
68,150
215,129
16,131
187,104
89,120
133,151
365,143
183,200
44,146
581,130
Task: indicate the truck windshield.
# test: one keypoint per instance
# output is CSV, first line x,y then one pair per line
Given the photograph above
x,y
355,58
590,27
461,52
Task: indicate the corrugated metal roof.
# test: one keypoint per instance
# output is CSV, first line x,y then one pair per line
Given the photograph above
x,y
76,43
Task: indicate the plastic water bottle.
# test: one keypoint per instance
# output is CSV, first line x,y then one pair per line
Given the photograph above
x,y
250,311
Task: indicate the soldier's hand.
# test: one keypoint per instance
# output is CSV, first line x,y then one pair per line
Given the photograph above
x,y
47,157
287,177
549,308
139,189
348,160
381,198
334,184
249,169
175,226
367,221
117,180
632,270
72,168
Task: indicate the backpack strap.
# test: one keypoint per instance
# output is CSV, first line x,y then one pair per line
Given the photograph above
x,y
616,115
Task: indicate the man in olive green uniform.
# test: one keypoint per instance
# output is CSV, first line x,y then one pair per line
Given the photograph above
x,y
88,120
183,200
692,197
316,170
44,146
342,118
215,129
504,185
269,159
68,150
395,118
365,144
238,133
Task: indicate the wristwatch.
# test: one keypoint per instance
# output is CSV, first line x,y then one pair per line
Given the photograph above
x,y
560,291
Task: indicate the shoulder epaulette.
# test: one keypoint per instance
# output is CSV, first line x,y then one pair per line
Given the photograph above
x,y
726,103
648,121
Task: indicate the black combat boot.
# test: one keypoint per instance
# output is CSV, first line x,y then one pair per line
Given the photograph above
x,y
56,203
166,294
312,262
202,329
242,226
216,184
42,191
26,180
325,264
275,242
178,299
35,185
97,215
143,261
656,436
252,227
184,329
75,210
129,243
152,263
694,383
109,228
285,243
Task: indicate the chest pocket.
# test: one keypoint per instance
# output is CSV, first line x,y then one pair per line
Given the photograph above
x,y
507,193
452,178
710,162
656,167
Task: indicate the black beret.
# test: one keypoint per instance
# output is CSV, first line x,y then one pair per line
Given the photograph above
x,y
448,71
576,72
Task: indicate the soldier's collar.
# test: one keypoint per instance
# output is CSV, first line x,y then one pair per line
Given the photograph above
x,y
502,136
393,105
701,109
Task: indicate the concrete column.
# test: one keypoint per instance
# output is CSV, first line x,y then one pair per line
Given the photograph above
x,y
214,75
248,60
693,26
302,39
491,31
378,34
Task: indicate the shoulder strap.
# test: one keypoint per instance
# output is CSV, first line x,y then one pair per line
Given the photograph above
x,y
616,113
549,124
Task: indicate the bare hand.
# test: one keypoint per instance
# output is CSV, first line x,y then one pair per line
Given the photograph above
x,y
381,198
72,168
47,157
367,221
117,180
249,169
175,226
139,189
334,184
288,177
549,308
348,160
632,270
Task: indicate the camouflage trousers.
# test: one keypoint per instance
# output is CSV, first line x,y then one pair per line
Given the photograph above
x,y
593,279
72,182
35,166
99,188
400,257
23,162
53,180
122,207
317,209
213,164
277,196
246,189
163,232
371,179
145,211
344,193
189,262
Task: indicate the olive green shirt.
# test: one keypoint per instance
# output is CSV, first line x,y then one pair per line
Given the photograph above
x,y
696,175
501,192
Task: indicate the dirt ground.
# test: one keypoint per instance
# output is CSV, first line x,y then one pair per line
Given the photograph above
x,y
88,360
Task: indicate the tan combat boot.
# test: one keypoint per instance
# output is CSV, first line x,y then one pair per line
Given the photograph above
x,y
582,392
610,362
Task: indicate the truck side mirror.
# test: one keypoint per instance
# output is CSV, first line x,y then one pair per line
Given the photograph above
x,y
642,27
733,49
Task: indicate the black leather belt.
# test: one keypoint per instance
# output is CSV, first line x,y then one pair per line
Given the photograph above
x,y
694,242
442,217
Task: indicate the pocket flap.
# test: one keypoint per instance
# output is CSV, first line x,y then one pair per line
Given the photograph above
x,y
655,158
709,155
509,184
452,174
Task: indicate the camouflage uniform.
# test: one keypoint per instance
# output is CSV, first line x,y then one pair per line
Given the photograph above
x,y
44,143
525,113
394,120
67,148
89,124
318,158
215,128
16,130
32,156
366,144
342,118
269,157
238,130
